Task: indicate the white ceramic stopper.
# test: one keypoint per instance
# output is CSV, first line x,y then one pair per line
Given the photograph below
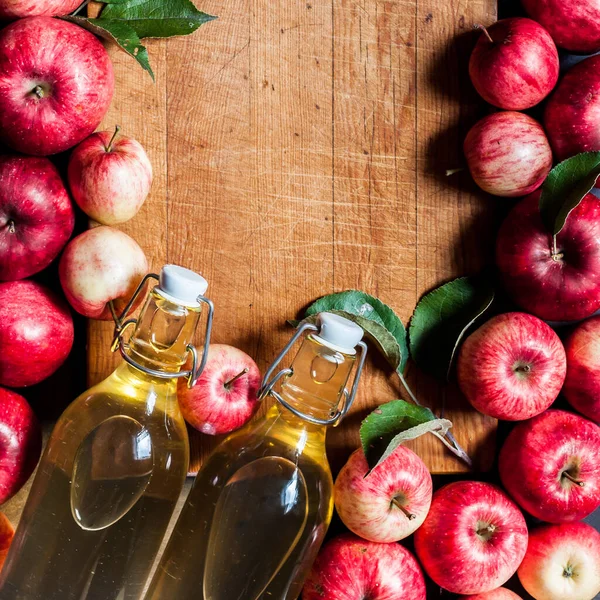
x,y
339,333
181,285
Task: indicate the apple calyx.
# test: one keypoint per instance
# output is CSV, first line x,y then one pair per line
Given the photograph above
x,y
485,531
397,502
112,139
11,226
227,385
568,571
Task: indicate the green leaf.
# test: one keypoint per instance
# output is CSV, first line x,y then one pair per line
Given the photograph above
x,y
393,424
380,322
566,186
157,18
120,33
441,320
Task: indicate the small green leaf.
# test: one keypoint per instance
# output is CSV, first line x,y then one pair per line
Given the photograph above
x,y
566,186
157,18
120,33
379,321
393,424
441,319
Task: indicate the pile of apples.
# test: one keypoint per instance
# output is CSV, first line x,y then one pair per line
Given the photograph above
x,y
471,537
56,84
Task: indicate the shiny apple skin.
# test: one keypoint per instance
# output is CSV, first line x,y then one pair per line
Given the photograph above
x,y
73,68
100,265
209,406
551,549
365,503
349,568
20,444
565,289
110,186
36,333
582,384
572,112
498,594
451,551
508,154
17,9
36,216
519,68
573,24
535,455
7,533
512,367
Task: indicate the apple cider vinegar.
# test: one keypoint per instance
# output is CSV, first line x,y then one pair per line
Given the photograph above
x,y
260,507
114,467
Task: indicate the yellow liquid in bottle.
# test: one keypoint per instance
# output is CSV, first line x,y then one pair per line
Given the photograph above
x,y
260,507
109,479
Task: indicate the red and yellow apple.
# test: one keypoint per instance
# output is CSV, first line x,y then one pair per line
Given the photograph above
x,y
497,594
17,9
387,504
550,466
473,538
349,568
101,265
110,177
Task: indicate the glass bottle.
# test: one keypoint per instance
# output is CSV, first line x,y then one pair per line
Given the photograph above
x,y
258,511
115,464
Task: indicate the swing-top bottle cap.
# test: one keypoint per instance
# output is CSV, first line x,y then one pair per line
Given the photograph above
x,y
339,333
181,285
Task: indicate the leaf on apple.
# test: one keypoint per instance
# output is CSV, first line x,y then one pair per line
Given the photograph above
x,y
393,424
566,186
120,33
379,322
443,317
157,18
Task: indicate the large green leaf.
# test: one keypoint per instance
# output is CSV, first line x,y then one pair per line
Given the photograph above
x,y
394,423
157,18
119,32
566,186
441,319
379,321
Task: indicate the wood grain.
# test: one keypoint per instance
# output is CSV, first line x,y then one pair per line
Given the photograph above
x,y
299,149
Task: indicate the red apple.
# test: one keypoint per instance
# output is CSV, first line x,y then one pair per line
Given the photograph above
x,y
17,9
550,466
513,367
582,384
20,445
7,533
508,154
36,215
571,115
473,538
110,177
389,503
573,24
36,333
225,396
555,284
101,265
56,84
514,64
349,568
562,563
497,594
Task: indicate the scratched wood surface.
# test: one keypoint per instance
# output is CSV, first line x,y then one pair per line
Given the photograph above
x,y
299,149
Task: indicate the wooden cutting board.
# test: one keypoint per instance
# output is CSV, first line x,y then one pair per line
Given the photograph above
x,y
300,148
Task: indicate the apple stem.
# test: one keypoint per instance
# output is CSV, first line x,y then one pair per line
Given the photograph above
x,y
112,139
523,369
11,226
485,32
490,528
573,480
410,516
229,383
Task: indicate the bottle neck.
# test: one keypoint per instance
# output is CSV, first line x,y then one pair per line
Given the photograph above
x,y
162,334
